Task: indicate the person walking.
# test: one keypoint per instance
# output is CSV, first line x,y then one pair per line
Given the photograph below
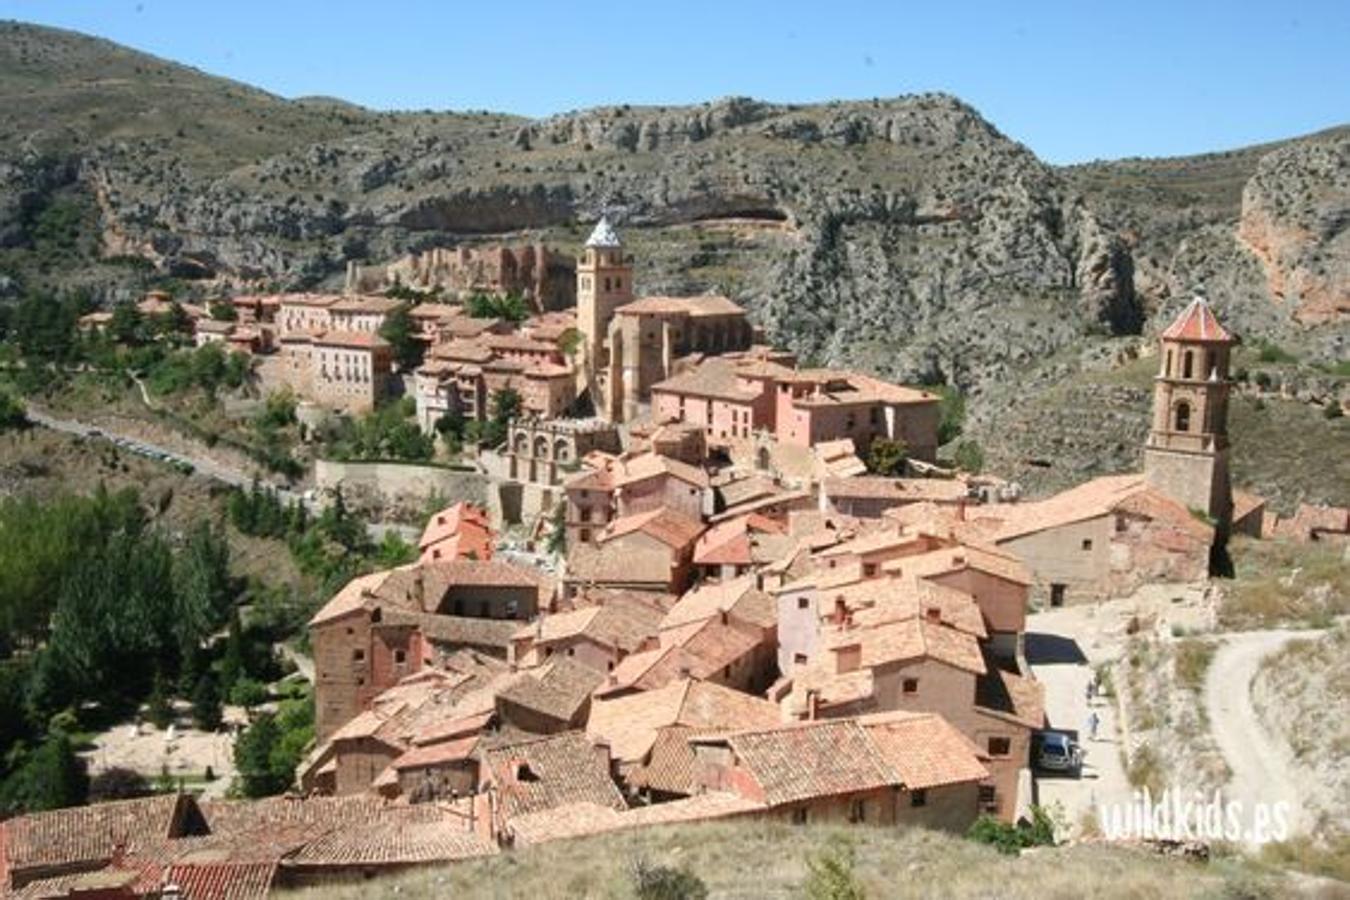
x,y
1094,721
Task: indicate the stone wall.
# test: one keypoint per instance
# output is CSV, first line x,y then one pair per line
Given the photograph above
x,y
395,489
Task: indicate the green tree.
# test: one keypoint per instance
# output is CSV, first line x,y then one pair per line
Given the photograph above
x,y
206,707
511,307
253,757
886,456
159,708
970,457
203,589
506,406
830,873
952,411
127,325
51,777
400,331
13,414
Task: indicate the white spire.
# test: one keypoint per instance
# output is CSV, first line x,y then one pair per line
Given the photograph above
x,y
604,235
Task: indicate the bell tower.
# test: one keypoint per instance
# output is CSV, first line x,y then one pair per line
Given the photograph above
x,y
604,283
1186,455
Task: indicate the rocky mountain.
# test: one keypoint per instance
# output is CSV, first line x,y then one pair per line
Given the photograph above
x,y
905,235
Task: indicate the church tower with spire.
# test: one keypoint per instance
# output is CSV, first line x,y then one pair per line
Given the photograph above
x,y
1186,454
604,283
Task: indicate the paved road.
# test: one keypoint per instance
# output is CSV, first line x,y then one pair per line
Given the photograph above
x,y
1263,766
1062,646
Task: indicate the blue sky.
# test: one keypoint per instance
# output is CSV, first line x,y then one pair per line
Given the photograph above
x,y
1074,81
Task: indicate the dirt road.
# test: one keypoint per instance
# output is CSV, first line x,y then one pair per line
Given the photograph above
x,y
1264,769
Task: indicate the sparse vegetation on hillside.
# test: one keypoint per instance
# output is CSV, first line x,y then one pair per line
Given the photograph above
x,y
887,863
1281,582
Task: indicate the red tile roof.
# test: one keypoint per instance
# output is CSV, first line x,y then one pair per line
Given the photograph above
x,y
1197,323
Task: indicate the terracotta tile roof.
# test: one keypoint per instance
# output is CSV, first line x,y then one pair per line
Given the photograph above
x,y
876,601
735,541
745,490
923,750
366,303
714,377
1089,500
557,689
222,880
901,490
788,500
904,640
628,470
439,754
355,339
394,843
824,758
671,766
665,525
805,760
435,310
583,819
1013,695
737,597
89,834
539,773
1197,322
705,305
944,560
631,723
76,884
323,300
623,625
613,563
351,597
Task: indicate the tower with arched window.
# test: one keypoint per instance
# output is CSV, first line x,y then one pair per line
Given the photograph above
x,y
1186,456
604,283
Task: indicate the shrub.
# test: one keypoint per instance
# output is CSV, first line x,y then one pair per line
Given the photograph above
x,y
1191,662
970,457
118,783
1331,411
830,874
657,882
1012,839
248,692
886,457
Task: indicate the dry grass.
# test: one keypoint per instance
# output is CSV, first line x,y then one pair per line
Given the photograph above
x,y
1330,859
1190,662
766,860
1280,582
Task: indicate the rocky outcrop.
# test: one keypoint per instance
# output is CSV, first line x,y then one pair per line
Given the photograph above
x,y
1296,221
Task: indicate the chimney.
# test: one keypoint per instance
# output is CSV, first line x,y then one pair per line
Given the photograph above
x,y
812,704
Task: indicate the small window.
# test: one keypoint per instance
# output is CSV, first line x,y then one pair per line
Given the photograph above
x,y
1000,746
400,657
358,655
918,798
1087,543
571,651
910,686
803,603
799,816
799,659
1057,594
857,811
726,672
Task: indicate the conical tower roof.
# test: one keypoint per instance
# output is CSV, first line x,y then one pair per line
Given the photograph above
x,y
1197,322
604,235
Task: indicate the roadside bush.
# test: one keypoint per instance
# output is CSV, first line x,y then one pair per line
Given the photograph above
x,y
1191,661
1013,839
970,457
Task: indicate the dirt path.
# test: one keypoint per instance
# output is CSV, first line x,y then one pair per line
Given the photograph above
x,y
1264,770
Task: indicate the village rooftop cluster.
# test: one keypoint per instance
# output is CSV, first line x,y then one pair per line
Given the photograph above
x,y
744,623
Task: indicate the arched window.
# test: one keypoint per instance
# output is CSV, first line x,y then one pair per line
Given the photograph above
x,y
1183,416
1187,361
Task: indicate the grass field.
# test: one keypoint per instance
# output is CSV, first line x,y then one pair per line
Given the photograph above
x,y
757,859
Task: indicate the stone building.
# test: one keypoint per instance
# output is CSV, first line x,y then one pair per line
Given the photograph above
x,y
350,370
546,451
645,338
531,270
734,397
1186,456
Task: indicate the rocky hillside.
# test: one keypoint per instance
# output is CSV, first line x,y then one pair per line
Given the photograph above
x,y
904,235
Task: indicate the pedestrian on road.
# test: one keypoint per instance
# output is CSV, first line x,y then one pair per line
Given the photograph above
x,y
1091,691
1094,721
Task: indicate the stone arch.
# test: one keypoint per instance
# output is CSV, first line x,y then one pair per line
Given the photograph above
x,y
762,458
522,442
1181,416
561,450
1187,364
541,447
